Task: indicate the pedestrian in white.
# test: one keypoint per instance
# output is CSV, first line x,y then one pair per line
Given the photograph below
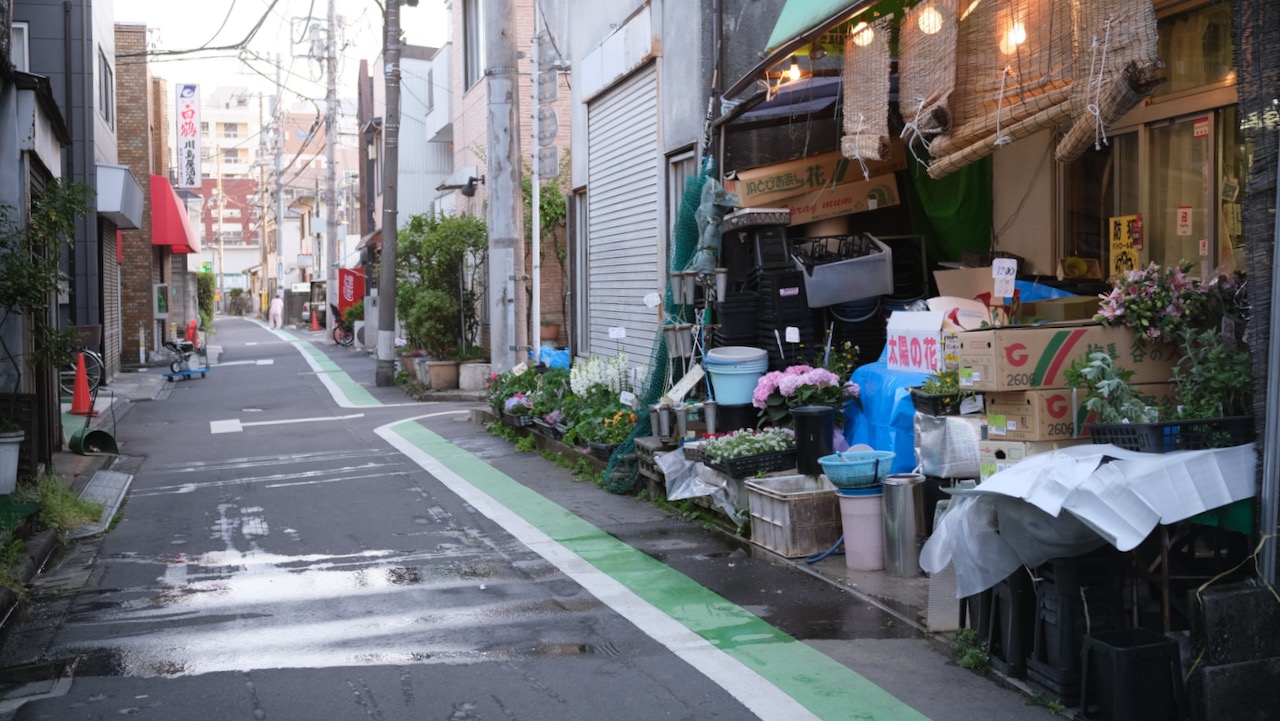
x,y
276,312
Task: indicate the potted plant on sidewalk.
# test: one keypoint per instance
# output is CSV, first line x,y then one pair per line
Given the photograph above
x,y
436,294
30,278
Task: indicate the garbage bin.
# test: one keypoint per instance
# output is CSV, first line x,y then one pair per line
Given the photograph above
x,y
903,523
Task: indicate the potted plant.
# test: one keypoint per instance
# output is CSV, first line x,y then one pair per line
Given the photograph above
x,y
939,394
437,263
750,451
604,437
549,330
30,279
777,392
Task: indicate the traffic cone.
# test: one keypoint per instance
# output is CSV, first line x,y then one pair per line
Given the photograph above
x,y
81,404
315,320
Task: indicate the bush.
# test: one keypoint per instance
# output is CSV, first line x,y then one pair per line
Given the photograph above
x,y
437,261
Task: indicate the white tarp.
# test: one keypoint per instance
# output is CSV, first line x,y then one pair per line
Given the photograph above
x,y
1015,517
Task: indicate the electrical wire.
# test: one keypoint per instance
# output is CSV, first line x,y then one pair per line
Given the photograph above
x,y
234,46
230,11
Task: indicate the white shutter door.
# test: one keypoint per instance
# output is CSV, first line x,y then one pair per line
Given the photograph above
x,y
622,223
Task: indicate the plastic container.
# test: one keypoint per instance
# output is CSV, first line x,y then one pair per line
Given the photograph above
x,y
815,427
903,524
1131,674
857,469
860,515
847,280
734,372
1165,437
793,516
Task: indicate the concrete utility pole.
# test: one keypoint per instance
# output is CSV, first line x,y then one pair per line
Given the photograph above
x,y
222,255
279,143
508,329
330,144
385,375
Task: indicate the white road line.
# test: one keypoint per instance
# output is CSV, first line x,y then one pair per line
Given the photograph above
x,y
260,362
234,425
750,688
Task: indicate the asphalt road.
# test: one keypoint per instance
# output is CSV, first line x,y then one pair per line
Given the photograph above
x,y
298,544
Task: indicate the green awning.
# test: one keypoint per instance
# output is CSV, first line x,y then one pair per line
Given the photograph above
x,y
800,16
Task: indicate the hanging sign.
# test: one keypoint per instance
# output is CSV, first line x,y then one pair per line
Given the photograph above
x,y
188,132
1124,256
1004,271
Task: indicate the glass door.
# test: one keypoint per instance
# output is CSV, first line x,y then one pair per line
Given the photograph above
x,y
1181,212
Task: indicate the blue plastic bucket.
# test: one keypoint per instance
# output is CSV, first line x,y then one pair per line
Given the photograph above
x,y
734,372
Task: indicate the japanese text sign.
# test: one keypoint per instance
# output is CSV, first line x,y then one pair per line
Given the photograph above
x,y
187,132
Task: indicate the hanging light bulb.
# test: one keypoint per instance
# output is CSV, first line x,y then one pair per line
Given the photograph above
x,y
863,35
1016,36
930,21
793,73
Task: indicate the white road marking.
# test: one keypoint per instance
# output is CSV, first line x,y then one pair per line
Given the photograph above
x,y
751,689
259,362
234,425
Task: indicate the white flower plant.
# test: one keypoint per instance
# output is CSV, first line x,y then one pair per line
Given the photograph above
x,y
611,373
748,442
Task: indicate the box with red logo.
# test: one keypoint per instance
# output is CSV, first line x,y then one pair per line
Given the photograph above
x,y
1046,415
995,456
1033,357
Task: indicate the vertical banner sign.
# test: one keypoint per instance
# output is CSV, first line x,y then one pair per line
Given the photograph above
x,y
188,133
1124,254
350,288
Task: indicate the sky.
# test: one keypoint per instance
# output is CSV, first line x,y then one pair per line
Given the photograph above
x,y
211,23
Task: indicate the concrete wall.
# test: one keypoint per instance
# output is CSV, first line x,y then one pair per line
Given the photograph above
x,y
1023,191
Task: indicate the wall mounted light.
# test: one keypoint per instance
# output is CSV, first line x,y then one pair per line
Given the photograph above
x,y
468,190
793,72
930,21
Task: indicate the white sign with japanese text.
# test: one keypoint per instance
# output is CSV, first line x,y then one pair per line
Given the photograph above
x,y
187,119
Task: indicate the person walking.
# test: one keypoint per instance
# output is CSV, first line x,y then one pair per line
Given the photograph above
x,y
276,312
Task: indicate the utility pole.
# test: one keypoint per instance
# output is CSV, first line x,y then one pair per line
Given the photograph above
x,y
279,143
263,200
222,255
330,144
508,329
385,375
535,206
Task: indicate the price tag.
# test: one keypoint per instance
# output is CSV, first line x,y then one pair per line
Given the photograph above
x,y
520,369
1184,220
971,404
996,425
617,332
652,300
793,334
627,398
1003,272
966,376
987,469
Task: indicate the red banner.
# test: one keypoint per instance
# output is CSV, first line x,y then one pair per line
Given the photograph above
x,y
350,287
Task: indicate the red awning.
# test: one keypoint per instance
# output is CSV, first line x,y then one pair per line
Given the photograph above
x,y
170,224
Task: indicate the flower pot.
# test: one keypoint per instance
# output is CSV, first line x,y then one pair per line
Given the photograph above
x,y
408,366
443,374
10,448
549,332
602,451
473,375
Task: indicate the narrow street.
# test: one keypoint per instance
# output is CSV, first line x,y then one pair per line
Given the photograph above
x,y
299,544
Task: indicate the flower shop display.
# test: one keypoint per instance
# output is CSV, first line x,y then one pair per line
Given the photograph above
x,y
750,451
603,439
1157,301
940,394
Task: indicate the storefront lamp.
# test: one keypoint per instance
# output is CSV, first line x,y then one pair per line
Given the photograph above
x,y
1016,36
793,73
863,35
930,21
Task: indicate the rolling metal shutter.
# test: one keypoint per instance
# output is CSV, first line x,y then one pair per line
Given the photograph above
x,y
622,215
112,344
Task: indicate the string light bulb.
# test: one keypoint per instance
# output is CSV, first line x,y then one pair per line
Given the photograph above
x,y
793,72
930,21
1016,36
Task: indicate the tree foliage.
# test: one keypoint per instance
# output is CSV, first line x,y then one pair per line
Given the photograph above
x,y
438,260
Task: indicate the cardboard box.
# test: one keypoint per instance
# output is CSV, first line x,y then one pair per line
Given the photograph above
x,y
916,342
1046,415
978,283
878,192
756,187
995,456
1036,357
1077,307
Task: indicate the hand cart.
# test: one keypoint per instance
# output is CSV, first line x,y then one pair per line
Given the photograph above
x,y
180,367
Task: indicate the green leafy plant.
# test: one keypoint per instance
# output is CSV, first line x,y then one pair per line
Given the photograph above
x,y
611,429
11,550
777,392
353,313
60,508
748,442
502,386
1214,376
438,261
969,652
942,383
548,397
1109,395
527,444
31,277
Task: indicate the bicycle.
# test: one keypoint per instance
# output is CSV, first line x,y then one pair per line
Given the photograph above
x,y
93,371
343,334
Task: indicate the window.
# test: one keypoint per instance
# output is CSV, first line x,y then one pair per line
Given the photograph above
x,y
18,53
232,156
1180,168
431,89
204,128
231,130
106,90
473,43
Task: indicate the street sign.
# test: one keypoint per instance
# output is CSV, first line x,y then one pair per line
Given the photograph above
x,y
547,55
206,266
548,88
549,163
548,126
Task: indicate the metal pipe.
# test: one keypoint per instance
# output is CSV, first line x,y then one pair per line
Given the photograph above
x,y
1267,512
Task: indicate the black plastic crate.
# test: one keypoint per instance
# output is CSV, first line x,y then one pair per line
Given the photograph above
x,y
748,466
1168,436
1131,674
1007,623
935,405
1072,595
771,249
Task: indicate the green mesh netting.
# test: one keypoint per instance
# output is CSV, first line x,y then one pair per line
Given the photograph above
x,y
623,469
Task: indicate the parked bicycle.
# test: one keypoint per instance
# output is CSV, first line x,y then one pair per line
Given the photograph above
x,y
87,338
343,334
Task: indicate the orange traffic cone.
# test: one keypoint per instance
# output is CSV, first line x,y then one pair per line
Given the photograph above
x,y
81,405
315,320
